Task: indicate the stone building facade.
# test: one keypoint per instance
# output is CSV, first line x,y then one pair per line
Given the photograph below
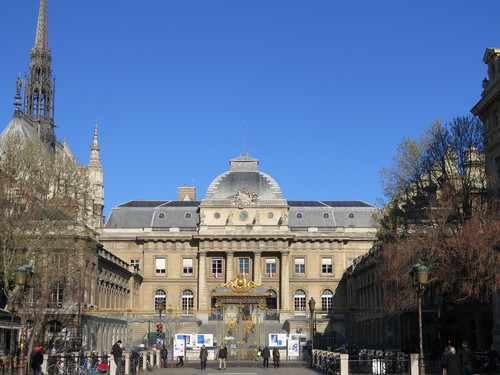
x,y
488,110
186,248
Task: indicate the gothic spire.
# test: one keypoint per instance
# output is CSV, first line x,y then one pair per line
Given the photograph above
x,y
42,33
95,159
97,186
39,91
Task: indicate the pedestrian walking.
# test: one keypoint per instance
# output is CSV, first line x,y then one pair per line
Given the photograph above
x,y
164,355
443,358
203,357
276,358
36,360
266,353
222,355
465,355
117,352
451,362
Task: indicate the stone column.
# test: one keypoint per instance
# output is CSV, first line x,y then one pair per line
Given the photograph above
x,y
202,280
285,280
257,267
229,266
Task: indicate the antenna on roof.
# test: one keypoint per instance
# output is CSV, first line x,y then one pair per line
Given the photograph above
x,y
244,139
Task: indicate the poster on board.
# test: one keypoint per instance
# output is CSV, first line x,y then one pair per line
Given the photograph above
x,y
277,339
206,339
293,348
185,336
179,348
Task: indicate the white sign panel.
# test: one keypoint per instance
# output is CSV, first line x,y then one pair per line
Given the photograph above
x,y
185,336
277,339
206,339
293,348
179,348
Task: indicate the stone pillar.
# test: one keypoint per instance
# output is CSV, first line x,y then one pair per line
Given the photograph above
x,y
344,364
229,266
285,281
202,280
257,267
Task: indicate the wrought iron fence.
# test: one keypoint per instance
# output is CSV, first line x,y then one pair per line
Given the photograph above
x,y
379,363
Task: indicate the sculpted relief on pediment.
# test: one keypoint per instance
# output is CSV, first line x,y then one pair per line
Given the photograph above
x,y
244,198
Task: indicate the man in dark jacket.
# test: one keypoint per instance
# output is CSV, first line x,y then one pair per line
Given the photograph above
x,y
164,355
466,356
117,352
266,353
222,355
203,357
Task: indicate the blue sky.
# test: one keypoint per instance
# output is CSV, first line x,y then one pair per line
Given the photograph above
x,y
320,91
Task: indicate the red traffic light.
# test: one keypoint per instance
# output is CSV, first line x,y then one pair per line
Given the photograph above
x,y
159,326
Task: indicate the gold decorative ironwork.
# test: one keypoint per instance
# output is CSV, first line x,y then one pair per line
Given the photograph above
x,y
249,325
231,325
240,284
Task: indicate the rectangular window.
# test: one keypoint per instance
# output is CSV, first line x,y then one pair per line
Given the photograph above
x,y
160,266
326,265
135,262
217,268
350,262
244,266
271,267
300,265
187,266
57,295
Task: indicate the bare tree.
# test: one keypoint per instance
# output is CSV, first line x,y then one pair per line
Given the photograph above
x,y
437,215
44,198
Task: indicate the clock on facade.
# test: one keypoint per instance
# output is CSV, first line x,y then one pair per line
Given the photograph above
x,y
243,216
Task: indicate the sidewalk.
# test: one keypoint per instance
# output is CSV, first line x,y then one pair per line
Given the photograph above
x,y
235,368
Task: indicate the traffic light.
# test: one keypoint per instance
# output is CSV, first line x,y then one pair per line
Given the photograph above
x,y
159,330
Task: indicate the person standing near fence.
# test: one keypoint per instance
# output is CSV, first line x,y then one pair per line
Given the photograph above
x,y
266,353
222,355
203,357
276,358
117,352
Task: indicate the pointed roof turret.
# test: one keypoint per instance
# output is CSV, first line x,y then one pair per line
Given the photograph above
x,y
42,32
95,158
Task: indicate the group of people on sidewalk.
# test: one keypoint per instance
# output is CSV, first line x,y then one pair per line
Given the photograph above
x,y
222,354
266,354
459,362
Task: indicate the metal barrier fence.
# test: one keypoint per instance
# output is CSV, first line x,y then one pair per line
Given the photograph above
x,y
367,362
379,363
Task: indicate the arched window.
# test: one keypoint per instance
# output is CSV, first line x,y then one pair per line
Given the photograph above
x,y
187,301
299,300
327,300
160,296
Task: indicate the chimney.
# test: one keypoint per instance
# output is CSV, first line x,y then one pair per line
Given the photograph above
x,y
187,193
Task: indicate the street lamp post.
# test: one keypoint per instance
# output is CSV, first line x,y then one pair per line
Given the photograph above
x,y
312,307
420,278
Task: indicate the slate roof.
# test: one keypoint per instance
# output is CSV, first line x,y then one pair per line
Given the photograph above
x,y
185,214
